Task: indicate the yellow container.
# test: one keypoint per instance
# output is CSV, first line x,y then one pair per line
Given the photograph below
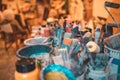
x,y
26,70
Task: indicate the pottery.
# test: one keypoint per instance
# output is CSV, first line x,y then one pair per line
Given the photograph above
x,y
33,51
41,53
57,68
37,41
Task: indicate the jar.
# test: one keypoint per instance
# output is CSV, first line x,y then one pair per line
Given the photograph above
x,y
26,70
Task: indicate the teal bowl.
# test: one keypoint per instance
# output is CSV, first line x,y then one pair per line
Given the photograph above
x,y
33,51
37,41
57,68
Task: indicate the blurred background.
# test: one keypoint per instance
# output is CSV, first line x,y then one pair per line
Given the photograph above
x,y
38,12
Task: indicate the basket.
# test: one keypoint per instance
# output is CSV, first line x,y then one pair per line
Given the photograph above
x,y
57,68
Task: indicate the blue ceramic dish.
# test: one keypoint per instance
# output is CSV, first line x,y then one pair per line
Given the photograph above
x,y
33,51
58,68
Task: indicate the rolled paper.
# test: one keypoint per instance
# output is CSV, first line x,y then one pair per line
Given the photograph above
x,y
67,41
93,47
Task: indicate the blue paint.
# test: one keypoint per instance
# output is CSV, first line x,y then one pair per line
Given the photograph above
x,y
28,51
37,54
59,68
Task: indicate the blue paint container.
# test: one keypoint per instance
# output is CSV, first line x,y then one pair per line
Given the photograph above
x,y
38,52
111,48
33,51
57,68
97,75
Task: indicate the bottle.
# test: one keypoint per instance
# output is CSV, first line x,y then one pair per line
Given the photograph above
x,y
26,70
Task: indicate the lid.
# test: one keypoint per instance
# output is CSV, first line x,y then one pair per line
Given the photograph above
x,y
25,65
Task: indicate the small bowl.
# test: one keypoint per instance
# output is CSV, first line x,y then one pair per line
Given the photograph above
x,y
33,51
34,41
57,68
